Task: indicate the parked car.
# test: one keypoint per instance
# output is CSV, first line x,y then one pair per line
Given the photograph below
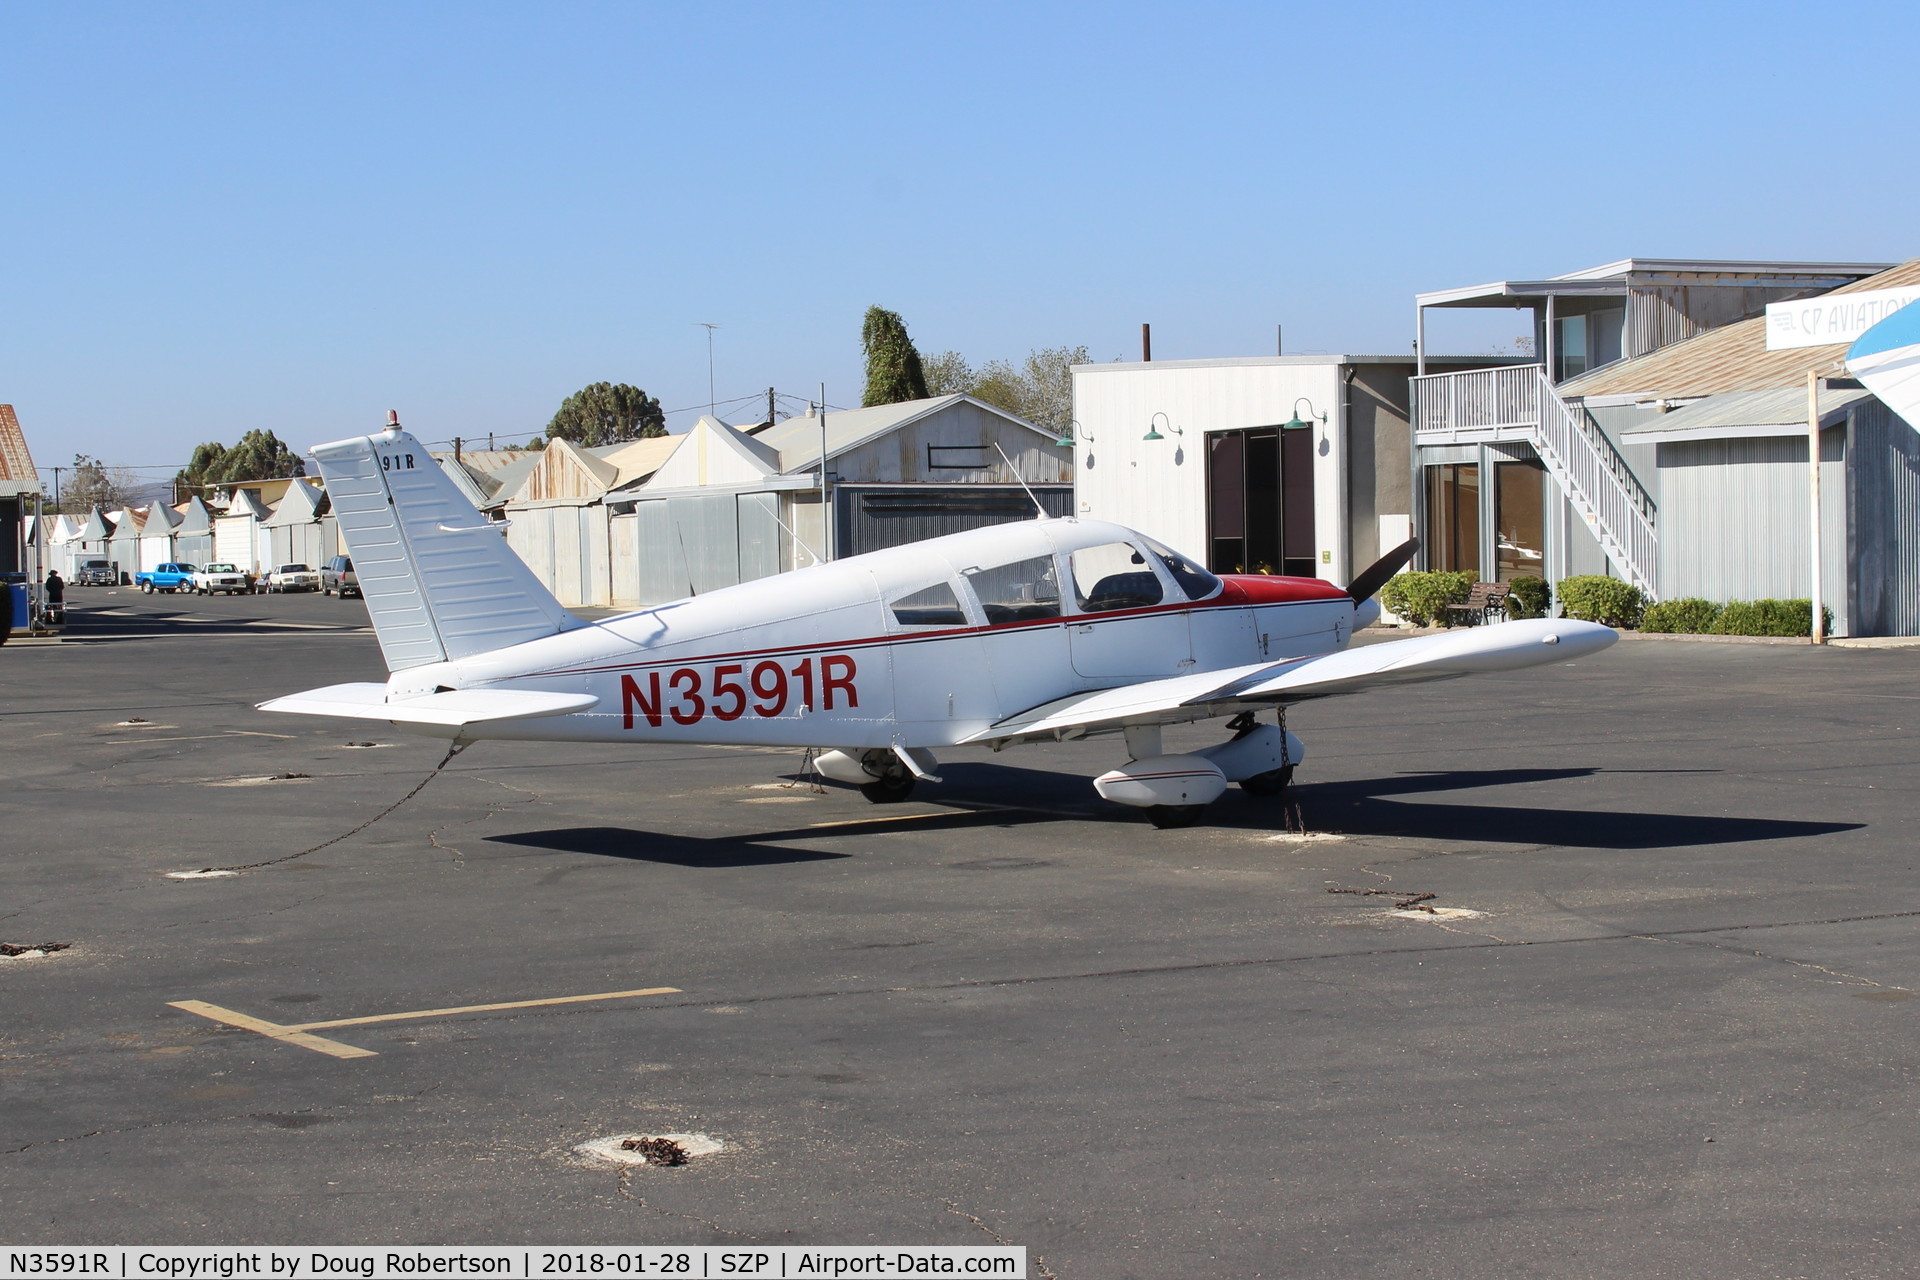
x,y
96,573
338,575
225,578
166,577
291,577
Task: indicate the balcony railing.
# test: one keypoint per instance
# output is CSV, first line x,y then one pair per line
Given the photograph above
x,y
1518,403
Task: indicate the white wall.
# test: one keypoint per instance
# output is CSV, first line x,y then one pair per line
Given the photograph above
x,y
1160,487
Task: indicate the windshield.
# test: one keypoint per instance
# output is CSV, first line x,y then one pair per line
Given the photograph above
x,y
220,568
1195,581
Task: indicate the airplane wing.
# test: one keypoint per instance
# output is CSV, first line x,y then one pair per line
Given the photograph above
x,y
452,709
1506,646
1886,359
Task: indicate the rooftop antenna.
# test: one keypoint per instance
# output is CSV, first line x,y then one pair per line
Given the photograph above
x,y
702,324
1022,479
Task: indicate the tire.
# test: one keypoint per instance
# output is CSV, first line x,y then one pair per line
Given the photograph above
x,y
1169,816
1270,783
888,790
326,591
147,587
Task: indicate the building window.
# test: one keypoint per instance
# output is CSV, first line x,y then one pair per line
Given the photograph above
x,y
1570,347
1520,517
1453,518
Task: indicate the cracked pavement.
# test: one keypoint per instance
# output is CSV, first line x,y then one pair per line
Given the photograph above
x,y
1679,1041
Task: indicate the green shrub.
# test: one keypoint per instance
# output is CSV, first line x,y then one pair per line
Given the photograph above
x,y
1768,618
1690,616
1531,598
1592,597
1422,598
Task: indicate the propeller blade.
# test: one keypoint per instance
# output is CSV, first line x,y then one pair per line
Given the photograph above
x,y
1375,575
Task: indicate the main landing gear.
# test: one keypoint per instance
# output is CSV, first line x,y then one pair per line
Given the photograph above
x,y
885,775
1175,789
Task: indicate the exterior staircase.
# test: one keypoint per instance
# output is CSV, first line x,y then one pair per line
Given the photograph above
x,y
1517,402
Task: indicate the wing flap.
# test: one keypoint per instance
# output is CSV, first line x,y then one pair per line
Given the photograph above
x,y
452,709
1507,646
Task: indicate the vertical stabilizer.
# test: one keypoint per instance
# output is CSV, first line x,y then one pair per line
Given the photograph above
x,y
439,580
1886,359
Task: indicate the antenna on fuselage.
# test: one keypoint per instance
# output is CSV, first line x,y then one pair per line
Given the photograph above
x,y
1022,479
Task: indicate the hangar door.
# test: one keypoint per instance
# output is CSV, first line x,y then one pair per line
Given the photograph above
x,y
874,519
1260,502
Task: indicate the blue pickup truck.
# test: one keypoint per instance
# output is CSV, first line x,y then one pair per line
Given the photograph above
x,y
166,577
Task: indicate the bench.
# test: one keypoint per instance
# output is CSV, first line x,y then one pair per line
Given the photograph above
x,y
1486,602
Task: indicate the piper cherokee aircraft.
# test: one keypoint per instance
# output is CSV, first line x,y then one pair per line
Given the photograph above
x,y
1043,630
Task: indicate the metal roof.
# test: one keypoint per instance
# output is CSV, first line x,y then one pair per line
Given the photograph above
x,y
16,464
1615,278
1733,357
797,440
1304,359
1740,414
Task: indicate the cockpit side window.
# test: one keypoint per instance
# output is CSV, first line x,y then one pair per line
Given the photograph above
x,y
1192,579
936,606
1114,575
1019,592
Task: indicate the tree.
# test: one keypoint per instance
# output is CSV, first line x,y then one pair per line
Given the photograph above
x,y
95,484
259,455
607,413
947,373
893,366
1039,388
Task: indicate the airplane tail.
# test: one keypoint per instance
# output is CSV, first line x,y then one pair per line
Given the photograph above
x,y
439,580
1886,359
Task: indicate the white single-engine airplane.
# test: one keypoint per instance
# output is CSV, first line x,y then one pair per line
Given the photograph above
x,y
1044,630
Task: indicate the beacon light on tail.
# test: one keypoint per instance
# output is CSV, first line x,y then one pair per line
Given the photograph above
x,y
1040,631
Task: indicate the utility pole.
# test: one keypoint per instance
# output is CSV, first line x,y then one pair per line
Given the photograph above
x,y
709,328
1818,629
826,512
456,448
769,406
56,487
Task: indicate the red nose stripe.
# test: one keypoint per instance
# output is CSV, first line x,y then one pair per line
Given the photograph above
x,y
1260,588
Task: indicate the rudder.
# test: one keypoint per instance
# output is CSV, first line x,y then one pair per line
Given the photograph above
x,y
440,581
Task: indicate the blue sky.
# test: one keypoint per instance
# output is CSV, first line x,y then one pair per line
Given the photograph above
x,y
220,217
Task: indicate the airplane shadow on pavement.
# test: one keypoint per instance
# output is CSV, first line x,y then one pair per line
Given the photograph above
x,y
1383,807
1374,807
1011,796
655,846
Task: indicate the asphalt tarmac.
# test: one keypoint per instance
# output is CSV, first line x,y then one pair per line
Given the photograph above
x,y
1660,1022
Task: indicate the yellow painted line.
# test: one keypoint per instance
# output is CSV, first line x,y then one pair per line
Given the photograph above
x,y
272,1030
485,1008
300,1033
874,822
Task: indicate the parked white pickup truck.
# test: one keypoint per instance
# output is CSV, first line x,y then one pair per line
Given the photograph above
x,y
221,578
292,577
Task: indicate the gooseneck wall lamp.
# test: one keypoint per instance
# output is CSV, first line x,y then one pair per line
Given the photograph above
x,y
1297,420
1154,434
1073,432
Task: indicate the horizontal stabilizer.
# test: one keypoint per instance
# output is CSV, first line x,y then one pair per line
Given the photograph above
x,y
450,710
1506,646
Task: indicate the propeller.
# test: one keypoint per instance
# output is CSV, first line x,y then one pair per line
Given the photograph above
x,y
1375,575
